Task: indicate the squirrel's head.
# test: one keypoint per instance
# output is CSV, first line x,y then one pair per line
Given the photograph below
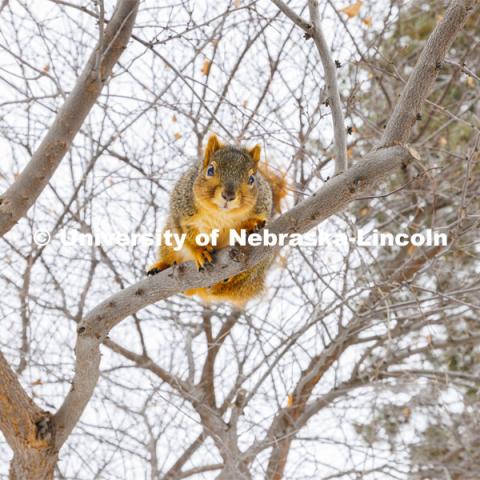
x,y
227,177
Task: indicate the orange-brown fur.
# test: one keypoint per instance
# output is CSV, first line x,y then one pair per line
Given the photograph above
x,y
197,206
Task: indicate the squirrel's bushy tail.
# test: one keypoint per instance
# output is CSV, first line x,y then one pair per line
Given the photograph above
x,y
278,184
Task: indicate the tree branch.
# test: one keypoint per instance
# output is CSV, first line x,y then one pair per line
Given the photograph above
x,y
330,69
18,413
428,65
314,30
27,429
293,16
21,195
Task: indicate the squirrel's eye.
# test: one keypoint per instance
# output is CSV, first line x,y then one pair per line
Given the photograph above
x,y
251,180
210,170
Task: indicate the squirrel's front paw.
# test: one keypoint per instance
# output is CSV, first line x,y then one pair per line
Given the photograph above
x,y
203,257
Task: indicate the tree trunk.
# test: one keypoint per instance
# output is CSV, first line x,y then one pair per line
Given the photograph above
x,y
33,465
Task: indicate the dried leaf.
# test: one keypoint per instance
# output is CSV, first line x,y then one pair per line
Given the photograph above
x,y
290,400
364,211
237,3
367,21
206,66
414,153
174,118
411,249
470,81
352,10
178,136
442,141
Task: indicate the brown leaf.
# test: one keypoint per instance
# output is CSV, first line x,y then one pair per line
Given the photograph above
x,y
352,10
367,21
206,66
414,153
364,211
178,136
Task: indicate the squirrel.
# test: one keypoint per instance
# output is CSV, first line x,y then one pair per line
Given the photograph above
x,y
228,189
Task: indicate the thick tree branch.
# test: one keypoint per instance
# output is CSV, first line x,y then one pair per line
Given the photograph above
x,y
428,65
27,429
18,413
21,195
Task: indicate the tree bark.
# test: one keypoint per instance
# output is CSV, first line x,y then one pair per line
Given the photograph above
x,y
33,465
27,429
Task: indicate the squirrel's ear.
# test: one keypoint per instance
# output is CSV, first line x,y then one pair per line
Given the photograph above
x,y
255,152
213,145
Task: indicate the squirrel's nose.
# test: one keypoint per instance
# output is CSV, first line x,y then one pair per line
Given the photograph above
x,y
228,195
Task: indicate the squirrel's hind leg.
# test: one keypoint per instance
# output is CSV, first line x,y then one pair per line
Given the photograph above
x,y
240,288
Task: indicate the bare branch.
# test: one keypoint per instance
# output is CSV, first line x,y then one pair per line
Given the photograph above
x,y
315,31
330,69
16,201
293,16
